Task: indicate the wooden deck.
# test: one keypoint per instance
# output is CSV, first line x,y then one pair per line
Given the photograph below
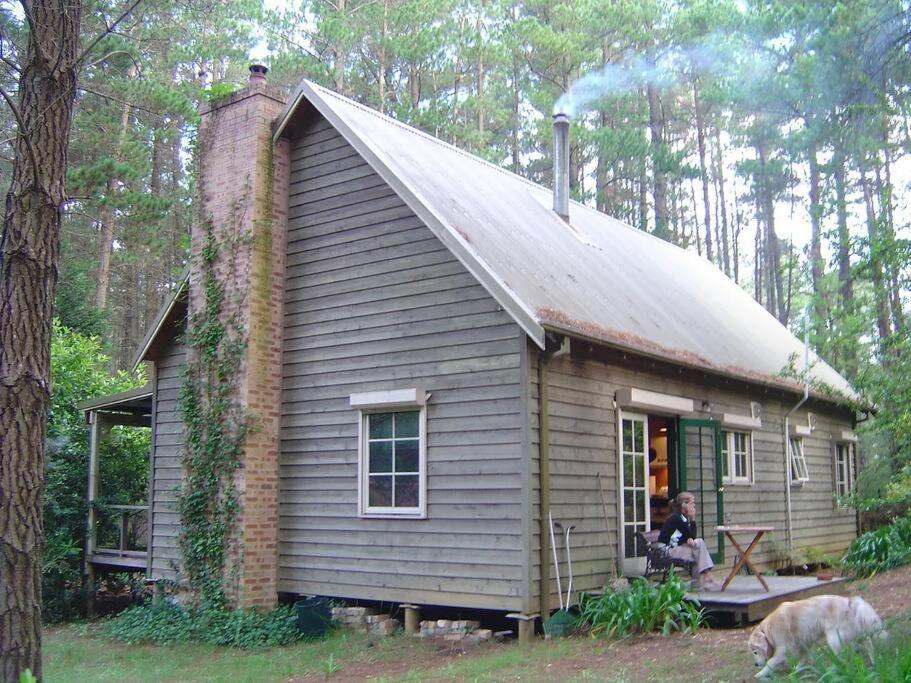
x,y
747,602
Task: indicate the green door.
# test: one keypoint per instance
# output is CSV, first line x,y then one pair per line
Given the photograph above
x,y
699,446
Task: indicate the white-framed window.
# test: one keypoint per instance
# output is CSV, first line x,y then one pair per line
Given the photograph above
x,y
392,453
737,457
844,469
799,472
392,460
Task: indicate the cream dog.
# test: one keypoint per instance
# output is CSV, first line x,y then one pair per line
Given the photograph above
x,y
794,627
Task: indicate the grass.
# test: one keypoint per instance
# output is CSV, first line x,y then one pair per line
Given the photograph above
x,y
73,653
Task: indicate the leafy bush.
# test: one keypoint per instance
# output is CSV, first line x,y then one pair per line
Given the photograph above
x,y
642,607
80,370
882,549
166,623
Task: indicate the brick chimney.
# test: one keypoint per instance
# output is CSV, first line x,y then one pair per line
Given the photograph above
x,y
243,185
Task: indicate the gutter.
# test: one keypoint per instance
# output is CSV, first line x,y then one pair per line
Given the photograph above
x,y
554,348
787,439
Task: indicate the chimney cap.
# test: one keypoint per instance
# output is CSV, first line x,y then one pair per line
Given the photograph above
x,y
561,117
258,73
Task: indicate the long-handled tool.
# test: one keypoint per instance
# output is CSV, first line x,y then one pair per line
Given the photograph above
x,y
567,530
553,546
562,622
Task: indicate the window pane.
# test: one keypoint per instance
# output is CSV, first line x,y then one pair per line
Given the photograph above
x,y
380,426
380,456
627,444
638,437
406,424
629,541
406,455
406,491
380,491
743,468
640,506
629,514
639,465
627,469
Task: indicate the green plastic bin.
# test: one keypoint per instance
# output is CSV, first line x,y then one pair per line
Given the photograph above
x,y
314,617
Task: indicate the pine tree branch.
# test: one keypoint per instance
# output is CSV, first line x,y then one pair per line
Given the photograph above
x,y
107,31
122,102
112,54
23,133
33,30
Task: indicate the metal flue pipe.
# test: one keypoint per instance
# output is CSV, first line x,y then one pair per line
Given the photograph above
x,y
561,165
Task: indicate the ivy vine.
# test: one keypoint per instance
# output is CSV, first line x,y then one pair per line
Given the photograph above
x,y
216,426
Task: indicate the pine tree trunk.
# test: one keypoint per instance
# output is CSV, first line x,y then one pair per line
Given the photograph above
x,y
516,115
29,255
879,294
846,286
656,126
774,287
106,248
722,204
481,72
381,67
759,259
704,173
602,171
338,55
816,262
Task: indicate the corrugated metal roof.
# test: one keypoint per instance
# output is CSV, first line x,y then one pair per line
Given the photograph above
x,y
594,276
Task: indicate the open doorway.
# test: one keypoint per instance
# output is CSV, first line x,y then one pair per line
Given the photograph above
x,y
662,467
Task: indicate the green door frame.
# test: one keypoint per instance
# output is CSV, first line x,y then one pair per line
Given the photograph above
x,y
715,426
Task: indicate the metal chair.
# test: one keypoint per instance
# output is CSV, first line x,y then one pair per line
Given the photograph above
x,y
658,558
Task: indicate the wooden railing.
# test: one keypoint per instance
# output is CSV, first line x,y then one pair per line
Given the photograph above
x,y
120,529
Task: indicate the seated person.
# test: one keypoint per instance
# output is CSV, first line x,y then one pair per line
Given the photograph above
x,y
679,534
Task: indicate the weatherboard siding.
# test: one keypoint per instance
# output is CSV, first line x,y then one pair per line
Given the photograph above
x,y
169,369
374,301
583,447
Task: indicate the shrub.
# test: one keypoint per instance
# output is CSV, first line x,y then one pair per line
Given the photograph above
x,y
166,623
80,370
885,548
642,607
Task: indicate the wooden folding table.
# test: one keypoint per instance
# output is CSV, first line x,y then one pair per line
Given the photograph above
x,y
759,532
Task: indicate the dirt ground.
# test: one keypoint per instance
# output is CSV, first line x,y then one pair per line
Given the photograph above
x,y
709,655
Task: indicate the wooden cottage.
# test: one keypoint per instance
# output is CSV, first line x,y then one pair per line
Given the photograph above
x,y
439,361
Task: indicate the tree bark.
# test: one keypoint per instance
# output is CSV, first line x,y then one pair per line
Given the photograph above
x,y
338,54
722,204
516,115
845,284
481,72
106,248
816,263
879,293
29,254
381,67
656,126
703,172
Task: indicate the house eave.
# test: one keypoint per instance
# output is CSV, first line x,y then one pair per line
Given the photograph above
x,y
163,316
690,362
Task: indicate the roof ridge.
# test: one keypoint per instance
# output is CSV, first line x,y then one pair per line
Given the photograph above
x,y
431,138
